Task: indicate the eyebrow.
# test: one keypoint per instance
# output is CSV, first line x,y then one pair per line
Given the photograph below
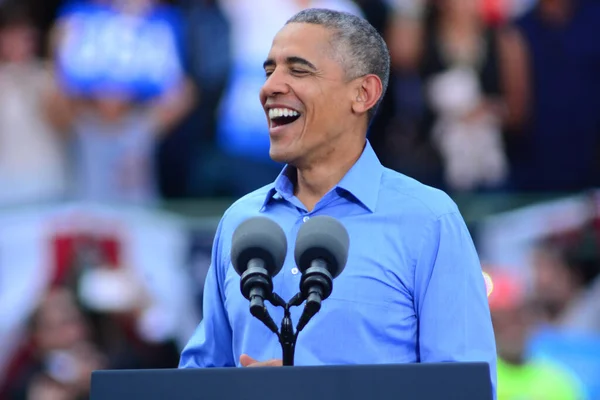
x,y
291,60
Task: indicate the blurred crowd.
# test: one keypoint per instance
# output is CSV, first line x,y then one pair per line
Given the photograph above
x,y
546,317
135,102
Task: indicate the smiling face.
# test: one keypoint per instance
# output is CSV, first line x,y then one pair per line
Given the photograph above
x,y
307,97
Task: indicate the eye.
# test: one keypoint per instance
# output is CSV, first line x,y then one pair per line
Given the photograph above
x,y
299,71
268,73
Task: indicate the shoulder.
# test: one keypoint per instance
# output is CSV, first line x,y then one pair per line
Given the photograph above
x,y
400,194
251,203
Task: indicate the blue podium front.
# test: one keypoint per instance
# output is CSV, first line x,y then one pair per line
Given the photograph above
x,y
444,381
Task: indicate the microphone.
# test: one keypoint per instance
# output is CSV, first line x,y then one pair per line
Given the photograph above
x,y
258,250
321,253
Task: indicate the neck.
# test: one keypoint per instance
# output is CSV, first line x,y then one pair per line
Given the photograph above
x,y
313,181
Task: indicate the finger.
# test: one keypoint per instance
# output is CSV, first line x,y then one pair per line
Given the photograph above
x,y
269,363
246,360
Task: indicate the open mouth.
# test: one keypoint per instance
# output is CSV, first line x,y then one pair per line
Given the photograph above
x,y
282,116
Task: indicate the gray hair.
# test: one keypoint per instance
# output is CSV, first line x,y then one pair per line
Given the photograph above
x,y
363,50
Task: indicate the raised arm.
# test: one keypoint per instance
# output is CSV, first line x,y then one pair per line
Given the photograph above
x,y
514,77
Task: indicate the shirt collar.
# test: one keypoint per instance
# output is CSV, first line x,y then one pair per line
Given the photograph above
x,y
361,181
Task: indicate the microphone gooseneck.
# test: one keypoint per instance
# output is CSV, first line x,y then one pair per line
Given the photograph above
x,y
257,287
258,251
315,285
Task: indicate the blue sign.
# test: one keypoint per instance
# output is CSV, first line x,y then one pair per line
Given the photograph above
x,y
106,51
243,129
579,353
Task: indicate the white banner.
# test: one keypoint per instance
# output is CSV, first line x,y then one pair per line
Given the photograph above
x,y
39,247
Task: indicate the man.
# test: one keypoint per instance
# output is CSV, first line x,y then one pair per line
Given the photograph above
x,y
521,377
550,150
243,138
413,289
33,156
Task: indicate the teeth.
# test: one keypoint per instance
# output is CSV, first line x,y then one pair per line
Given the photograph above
x,y
282,112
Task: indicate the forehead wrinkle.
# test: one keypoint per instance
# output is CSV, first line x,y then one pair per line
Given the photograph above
x,y
331,45
299,37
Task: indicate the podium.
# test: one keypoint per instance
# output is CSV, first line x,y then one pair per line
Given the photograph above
x,y
443,381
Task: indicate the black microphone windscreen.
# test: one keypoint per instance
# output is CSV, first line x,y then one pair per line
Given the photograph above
x,y
322,237
262,238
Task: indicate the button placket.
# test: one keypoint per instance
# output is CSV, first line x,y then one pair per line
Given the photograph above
x,y
295,272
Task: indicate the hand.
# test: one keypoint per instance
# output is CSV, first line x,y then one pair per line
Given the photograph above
x,y
248,361
44,388
89,359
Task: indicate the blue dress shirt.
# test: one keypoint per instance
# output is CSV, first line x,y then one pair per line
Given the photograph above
x,y
412,290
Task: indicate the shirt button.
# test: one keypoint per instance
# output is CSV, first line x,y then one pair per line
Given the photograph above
x,y
306,218
295,271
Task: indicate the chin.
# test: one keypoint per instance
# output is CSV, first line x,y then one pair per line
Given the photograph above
x,y
278,156
283,154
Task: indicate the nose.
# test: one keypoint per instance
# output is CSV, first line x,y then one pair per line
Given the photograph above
x,y
276,84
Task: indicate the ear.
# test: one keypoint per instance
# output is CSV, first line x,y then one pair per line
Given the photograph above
x,y
369,90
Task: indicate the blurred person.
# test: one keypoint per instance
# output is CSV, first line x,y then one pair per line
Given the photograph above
x,y
135,329
242,137
520,377
133,324
402,145
33,159
395,105
209,53
460,70
377,12
64,352
553,96
326,74
566,276
97,315
120,88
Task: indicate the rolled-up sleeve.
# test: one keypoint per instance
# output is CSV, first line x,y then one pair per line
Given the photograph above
x,y
211,343
451,298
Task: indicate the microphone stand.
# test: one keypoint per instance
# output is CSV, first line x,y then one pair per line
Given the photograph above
x,y
287,336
